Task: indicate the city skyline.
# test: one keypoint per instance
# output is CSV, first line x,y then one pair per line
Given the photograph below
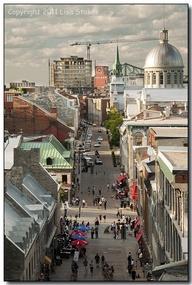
x,y
35,33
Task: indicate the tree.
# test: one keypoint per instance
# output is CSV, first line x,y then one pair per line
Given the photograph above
x,y
113,122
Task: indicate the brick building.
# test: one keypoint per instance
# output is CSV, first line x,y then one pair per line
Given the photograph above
x,y
101,78
34,120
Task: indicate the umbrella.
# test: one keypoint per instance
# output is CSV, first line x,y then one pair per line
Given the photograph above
x,y
78,232
78,237
83,228
79,243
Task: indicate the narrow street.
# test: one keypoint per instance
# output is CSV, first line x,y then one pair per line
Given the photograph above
x,y
114,250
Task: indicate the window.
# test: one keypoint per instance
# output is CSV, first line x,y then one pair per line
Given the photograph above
x,y
175,78
161,78
154,78
168,78
49,161
64,178
148,78
138,138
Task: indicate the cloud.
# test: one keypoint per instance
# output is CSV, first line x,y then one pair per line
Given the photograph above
x,y
31,39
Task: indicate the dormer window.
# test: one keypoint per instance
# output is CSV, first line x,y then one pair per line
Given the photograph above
x,y
49,161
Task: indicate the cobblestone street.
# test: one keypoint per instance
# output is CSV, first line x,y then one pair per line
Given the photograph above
x,y
114,250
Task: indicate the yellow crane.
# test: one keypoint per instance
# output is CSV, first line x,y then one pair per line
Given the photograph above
x,y
90,43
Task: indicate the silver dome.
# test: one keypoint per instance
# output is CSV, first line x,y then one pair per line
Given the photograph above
x,y
163,56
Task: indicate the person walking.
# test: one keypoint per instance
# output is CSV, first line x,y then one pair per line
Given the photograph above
x,y
129,259
83,203
141,258
96,232
108,186
100,217
85,263
102,259
92,233
97,259
104,217
105,204
133,274
91,267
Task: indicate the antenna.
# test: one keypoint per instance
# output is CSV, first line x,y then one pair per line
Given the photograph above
x,y
164,16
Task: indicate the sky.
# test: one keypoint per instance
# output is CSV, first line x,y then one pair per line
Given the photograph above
x,y
35,33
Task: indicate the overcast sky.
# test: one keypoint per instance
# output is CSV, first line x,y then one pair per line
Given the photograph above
x,y
35,33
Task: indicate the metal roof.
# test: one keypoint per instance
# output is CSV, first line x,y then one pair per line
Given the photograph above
x,y
53,149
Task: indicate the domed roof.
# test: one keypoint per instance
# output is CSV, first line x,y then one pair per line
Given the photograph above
x,y
164,55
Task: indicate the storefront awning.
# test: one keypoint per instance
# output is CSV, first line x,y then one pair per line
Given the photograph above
x,y
134,192
139,235
47,259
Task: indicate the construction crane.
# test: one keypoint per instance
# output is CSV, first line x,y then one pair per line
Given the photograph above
x,y
103,42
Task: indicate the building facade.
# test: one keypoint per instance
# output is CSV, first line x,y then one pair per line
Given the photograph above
x,y
101,79
74,73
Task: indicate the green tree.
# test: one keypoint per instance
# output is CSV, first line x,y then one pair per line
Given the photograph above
x,y
113,122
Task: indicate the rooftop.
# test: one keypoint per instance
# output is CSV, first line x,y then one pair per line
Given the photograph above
x,y
171,132
165,94
51,148
40,193
18,225
32,206
175,159
171,121
11,143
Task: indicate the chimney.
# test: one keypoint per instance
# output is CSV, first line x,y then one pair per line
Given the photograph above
x,y
53,112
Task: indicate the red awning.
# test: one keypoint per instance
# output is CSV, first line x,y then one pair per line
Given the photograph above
x,y
138,222
134,193
139,235
121,178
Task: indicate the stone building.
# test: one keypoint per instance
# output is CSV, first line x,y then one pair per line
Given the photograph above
x,y
56,159
97,109
32,119
30,216
74,73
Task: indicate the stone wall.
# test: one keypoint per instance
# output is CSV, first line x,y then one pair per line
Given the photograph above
x,y
13,262
29,160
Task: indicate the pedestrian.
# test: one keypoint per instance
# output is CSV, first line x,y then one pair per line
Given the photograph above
x,y
85,263
138,252
100,204
105,204
108,186
92,232
83,202
129,258
79,211
115,233
104,217
100,217
141,258
133,274
96,232
102,259
91,267
93,192
96,222
100,192
118,214
97,259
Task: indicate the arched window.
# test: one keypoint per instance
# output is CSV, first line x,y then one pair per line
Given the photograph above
x,y
148,79
49,161
161,78
154,78
175,78
138,138
168,78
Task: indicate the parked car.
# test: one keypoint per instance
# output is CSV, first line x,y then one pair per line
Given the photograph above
x,y
100,139
96,145
98,161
